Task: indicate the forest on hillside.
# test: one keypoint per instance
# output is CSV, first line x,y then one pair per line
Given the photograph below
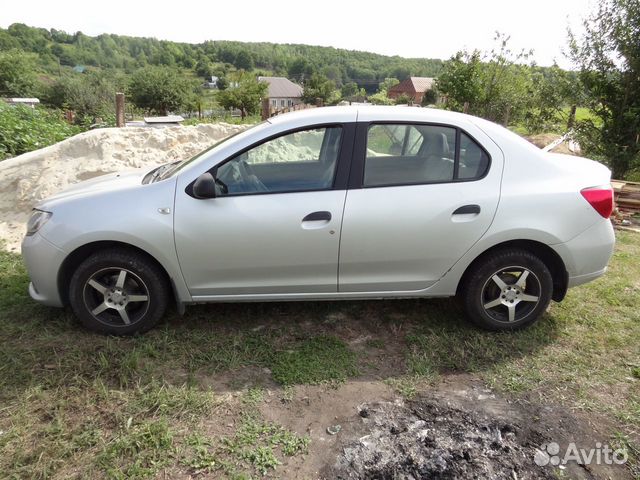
x,y
57,49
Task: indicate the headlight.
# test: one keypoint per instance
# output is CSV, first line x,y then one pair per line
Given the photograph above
x,y
37,220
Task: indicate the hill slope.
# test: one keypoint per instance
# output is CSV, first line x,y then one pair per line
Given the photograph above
x,y
57,49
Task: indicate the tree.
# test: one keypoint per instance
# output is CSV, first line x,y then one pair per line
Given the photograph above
x,y
18,74
244,61
204,68
402,99
319,86
388,83
460,81
300,68
349,90
161,90
381,97
495,85
90,95
245,97
551,89
608,55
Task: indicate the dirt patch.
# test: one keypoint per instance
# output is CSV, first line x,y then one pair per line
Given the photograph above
x,y
455,429
311,410
425,439
460,429
541,140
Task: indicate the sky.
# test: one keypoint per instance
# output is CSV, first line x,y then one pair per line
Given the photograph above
x,y
427,28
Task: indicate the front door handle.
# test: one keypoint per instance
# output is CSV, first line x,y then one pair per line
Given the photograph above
x,y
322,216
467,210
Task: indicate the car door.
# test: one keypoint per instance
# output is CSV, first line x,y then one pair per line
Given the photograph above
x,y
274,224
421,195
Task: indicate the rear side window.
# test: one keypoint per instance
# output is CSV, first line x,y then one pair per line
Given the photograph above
x,y
474,161
405,154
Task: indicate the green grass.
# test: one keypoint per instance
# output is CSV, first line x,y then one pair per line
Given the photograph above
x,y
316,360
559,124
75,404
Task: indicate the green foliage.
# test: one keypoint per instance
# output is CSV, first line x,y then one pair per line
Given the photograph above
x,y
608,55
23,129
461,80
380,98
319,87
351,92
550,89
402,99
496,85
430,97
245,97
388,83
300,68
161,90
318,359
244,60
139,451
90,96
18,74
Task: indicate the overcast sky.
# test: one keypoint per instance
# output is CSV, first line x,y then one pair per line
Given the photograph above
x,y
427,28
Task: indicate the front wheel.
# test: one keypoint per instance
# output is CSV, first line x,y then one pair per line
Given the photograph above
x,y
507,290
118,292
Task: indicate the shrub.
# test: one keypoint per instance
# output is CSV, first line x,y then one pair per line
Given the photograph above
x,y
23,129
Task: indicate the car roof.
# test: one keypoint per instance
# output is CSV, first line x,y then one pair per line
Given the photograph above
x,y
373,113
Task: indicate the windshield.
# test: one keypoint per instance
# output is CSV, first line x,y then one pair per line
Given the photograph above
x,y
174,168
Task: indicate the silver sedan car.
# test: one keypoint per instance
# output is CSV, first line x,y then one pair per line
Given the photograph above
x,y
327,204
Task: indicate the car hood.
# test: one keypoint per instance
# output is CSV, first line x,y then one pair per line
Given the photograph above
x,y
105,183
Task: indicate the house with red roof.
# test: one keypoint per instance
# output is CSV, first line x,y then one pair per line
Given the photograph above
x,y
413,87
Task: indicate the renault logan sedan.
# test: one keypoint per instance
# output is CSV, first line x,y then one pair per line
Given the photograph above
x,y
326,204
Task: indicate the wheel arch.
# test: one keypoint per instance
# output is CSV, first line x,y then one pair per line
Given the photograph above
x,y
75,258
544,252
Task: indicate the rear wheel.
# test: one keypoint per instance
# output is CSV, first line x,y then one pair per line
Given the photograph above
x,y
507,290
119,292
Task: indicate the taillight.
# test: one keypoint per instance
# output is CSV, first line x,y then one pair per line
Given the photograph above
x,y
600,198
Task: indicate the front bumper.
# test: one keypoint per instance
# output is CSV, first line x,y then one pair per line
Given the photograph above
x,y
43,261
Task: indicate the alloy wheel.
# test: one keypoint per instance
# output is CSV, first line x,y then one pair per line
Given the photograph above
x,y
116,296
511,294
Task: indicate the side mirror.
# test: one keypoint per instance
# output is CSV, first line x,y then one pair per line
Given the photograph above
x,y
204,186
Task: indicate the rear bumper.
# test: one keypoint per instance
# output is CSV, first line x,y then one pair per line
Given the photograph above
x,y
43,261
587,255
580,279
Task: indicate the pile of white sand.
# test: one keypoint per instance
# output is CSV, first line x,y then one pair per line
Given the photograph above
x,y
26,179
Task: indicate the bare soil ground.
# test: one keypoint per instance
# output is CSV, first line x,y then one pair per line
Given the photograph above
x,y
455,428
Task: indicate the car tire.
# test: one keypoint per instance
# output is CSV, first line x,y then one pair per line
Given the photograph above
x,y
119,292
507,290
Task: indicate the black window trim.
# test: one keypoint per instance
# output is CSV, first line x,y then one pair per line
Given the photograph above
x,y
343,164
356,179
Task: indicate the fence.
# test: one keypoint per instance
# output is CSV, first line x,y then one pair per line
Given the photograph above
x,y
269,110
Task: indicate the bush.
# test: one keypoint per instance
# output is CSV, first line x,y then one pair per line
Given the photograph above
x,y
90,96
162,90
23,129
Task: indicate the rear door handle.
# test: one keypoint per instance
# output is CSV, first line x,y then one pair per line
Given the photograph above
x,y
467,210
322,216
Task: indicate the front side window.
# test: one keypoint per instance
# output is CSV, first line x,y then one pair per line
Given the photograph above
x,y
298,161
405,154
